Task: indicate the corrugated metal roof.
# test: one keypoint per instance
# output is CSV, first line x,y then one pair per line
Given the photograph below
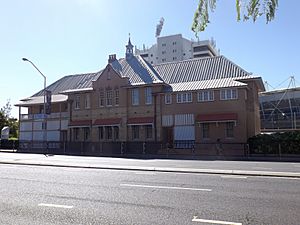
x,y
40,100
205,84
199,69
71,82
137,70
192,74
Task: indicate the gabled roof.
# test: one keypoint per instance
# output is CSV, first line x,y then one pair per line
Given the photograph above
x,y
137,70
71,82
200,69
192,74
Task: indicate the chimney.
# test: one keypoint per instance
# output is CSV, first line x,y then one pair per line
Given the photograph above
x,y
111,58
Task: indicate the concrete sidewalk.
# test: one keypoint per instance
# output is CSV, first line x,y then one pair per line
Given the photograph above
x,y
128,164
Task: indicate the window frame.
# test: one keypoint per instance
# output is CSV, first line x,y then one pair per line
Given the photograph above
x,y
77,102
206,96
87,101
205,130
109,98
101,99
117,97
135,99
168,97
228,94
148,96
229,130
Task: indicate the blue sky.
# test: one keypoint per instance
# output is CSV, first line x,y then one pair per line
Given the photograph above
x,y
64,37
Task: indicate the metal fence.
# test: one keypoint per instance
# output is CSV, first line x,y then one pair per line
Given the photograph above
x,y
136,148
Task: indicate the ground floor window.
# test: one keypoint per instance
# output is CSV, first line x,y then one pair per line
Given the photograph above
x,y
116,133
86,131
149,130
101,133
229,129
135,132
205,130
108,133
76,134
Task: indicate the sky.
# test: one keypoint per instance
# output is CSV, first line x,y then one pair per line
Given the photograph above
x,y
65,37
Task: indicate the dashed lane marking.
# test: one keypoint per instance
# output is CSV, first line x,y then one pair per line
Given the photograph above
x,y
195,219
165,187
234,176
55,205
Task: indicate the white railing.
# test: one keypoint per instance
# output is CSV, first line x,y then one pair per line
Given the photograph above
x,y
41,116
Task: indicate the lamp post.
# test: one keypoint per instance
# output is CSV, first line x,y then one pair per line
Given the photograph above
x,y
44,116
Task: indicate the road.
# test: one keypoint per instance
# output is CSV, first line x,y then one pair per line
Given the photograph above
x,y
55,195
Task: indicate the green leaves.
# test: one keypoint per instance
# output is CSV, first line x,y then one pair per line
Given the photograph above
x,y
253,9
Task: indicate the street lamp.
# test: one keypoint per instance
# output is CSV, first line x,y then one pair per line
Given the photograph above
x,y
44,117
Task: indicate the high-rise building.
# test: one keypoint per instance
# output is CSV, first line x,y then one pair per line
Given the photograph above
x,y
174,48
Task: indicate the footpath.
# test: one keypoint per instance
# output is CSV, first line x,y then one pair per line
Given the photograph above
x,y
290,170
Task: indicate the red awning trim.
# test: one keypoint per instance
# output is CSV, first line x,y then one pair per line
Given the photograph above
x,y
80,123
221,117
108,122
140,121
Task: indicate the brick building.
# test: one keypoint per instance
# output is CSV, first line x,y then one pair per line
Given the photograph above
x,y
199,100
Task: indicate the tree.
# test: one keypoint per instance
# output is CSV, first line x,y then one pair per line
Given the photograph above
x,y
247,8
7,120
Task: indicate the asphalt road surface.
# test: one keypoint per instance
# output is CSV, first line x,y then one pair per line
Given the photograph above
x,y
54,195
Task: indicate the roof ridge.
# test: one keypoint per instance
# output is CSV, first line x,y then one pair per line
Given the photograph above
x,y
147,67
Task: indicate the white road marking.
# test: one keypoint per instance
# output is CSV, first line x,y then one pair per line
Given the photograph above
x,y
261,168
285,178
56,206
195,219
145,173
165,187
234,176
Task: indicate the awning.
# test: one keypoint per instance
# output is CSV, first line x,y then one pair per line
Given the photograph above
x,y
40,100
108,122
220,117
80,123
140,121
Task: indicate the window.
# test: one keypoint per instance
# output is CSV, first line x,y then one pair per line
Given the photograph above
x,y
86,131
77,102
108,133
229,129
87,101
227,94
163,52
109,95
135,96
116,133
174,42
101,99
174,58
184,97
205,130
168,99
205,96
163,44
148,95
148,131
117,100
174,50
163,60
135,132
76,134
100,133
